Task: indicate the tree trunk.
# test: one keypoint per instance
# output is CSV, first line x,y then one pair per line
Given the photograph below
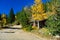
x,y
38,24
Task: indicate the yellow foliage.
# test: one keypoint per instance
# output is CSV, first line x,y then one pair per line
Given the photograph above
x,y
45,31
37,1
40,16
40,8
38,11
34,27
3,16
33,9
3,19
37,8
45,16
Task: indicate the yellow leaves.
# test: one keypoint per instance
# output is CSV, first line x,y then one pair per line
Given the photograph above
x,y
3,15
38,11
39,16
37,8
40,8
50,13
3,19
45,30
37,1
45,16
34,15
33,8
34,27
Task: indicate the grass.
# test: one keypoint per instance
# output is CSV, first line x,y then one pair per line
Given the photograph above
x,y
45,36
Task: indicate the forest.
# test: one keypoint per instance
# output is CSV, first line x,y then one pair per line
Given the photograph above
x,y
45,16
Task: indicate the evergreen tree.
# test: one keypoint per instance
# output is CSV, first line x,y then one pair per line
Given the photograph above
x,y
0,16
24,18
11,16
53,22
0,19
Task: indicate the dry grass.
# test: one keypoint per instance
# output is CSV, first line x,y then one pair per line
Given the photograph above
x,y
48,37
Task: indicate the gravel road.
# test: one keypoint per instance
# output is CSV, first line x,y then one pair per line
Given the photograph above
x,y
16,34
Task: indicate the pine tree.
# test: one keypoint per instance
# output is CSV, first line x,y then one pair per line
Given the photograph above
x,y
0,16
0,20
53,22
11,16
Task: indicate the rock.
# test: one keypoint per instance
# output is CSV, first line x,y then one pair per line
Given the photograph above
x,y
57,37
16,26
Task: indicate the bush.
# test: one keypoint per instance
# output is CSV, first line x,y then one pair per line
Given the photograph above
x,y
24,18
44,31
53,24
29,28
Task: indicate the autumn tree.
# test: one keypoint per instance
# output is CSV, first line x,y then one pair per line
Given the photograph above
x,y
4,20
38,12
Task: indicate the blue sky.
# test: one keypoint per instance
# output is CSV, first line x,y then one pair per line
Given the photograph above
x,y
17,5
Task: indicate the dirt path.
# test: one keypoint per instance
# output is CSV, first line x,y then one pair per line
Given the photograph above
x,y
16,34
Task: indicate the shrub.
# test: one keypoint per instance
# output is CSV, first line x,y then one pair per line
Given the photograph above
x,y
53,24
44,31
29,28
